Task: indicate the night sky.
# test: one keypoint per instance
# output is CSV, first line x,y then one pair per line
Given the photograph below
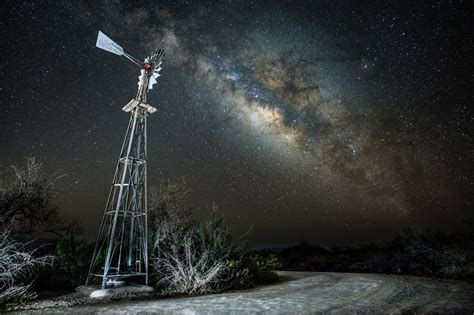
x,y
334,123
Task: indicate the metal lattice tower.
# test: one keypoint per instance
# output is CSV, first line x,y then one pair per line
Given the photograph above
x,y
121,250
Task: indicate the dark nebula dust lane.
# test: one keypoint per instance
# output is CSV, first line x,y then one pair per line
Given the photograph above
x,y
335,123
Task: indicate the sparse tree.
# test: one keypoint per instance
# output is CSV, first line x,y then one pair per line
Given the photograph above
x,y
26,196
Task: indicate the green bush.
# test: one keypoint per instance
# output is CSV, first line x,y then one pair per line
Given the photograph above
x,y
239,275
249,270
72,258
264,267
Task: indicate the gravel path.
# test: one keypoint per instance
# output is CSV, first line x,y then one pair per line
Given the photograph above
x,y
308,293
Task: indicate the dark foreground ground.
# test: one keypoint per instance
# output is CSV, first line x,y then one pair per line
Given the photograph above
x,y
307,293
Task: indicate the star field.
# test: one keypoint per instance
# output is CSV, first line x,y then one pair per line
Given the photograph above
x,y
318,121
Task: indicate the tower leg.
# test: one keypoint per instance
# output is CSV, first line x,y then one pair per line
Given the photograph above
x,y
121,250
145,246
117,208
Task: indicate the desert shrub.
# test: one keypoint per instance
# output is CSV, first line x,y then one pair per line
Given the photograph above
x,y
17,265
249,270
207,260
239,274
409,252
191,258
264,267
268,262
73,258
27,207
431,254
183,268
198,257
214,236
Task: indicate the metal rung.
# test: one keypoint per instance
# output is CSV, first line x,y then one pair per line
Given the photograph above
x,y
114,211
132,160
129,213
120,184
119,275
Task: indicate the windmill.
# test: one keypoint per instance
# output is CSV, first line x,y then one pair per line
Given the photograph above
x,y
121,250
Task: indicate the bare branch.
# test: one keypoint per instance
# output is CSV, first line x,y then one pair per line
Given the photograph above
x,y
16,267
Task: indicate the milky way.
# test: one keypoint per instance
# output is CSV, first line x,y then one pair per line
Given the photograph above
x,y
334,123
277,95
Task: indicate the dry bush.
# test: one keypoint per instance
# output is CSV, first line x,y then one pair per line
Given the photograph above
x,y
17,265
185,269
193,257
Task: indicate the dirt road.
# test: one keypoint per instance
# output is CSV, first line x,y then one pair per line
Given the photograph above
x,y
311,292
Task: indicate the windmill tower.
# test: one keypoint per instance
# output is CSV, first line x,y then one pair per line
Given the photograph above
x,y
121,250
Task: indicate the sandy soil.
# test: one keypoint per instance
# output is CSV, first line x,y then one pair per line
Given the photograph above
x,y
309,293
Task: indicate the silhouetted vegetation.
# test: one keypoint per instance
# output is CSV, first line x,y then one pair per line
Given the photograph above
x,y
26,202
73,258
28,212
189,256
408,253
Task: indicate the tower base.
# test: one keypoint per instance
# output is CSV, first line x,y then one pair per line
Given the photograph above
x,y
126,291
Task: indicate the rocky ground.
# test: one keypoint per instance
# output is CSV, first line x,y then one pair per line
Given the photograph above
x,y
299,293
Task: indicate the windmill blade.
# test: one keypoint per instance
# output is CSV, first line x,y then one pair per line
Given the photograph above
x,y
105,43
151,82
156,56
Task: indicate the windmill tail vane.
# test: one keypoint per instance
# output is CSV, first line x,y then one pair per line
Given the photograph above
x,y
150,67
121,251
